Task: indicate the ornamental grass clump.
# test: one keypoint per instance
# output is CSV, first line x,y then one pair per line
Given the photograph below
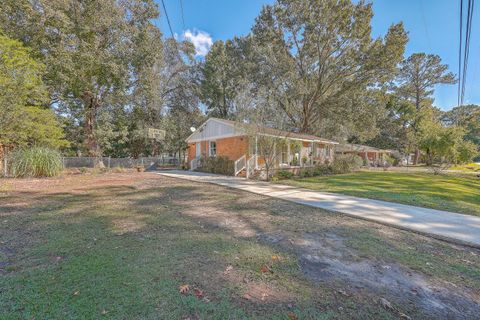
x,y
36,162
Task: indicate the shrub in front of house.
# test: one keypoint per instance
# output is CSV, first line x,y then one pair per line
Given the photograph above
x,y
307,172
220,165
322,170
284,174
346,163
388,162
36,162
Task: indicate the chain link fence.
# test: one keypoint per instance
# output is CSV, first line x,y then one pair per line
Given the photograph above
x,y
109,162
148,163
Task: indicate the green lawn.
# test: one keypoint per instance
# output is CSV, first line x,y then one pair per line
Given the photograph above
x,y
445,192
119,246
470,167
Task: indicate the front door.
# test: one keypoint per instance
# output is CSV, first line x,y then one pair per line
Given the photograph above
x,y
198,151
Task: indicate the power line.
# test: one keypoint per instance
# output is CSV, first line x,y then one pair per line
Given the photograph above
x,y
465,53
424,20
183,17
168,20
468,32
460,53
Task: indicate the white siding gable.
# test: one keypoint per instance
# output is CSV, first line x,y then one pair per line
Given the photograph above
x,y
214,129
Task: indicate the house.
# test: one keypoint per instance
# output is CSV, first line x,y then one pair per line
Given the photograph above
x,y
239,142
373,156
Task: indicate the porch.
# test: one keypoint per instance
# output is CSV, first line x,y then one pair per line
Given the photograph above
x,y
371,156
287,154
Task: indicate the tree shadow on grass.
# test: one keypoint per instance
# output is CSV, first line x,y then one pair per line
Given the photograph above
x,y
130,247
71,244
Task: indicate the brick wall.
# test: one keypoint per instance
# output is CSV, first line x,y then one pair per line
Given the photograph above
x,y
232,148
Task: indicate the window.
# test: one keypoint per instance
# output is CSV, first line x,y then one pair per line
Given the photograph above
x,y
212,149
198,150
284,157
320,151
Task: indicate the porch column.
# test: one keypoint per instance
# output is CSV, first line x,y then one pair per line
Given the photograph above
x,y
288,153
311,156
256,153
275,155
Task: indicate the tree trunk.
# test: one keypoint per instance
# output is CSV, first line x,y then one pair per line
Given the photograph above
x,y
91,106
416,157
305,125
429,158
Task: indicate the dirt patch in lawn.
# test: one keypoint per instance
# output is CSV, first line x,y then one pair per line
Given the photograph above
x,y
326,258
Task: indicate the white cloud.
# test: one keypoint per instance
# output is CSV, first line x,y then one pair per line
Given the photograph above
x,y
200,39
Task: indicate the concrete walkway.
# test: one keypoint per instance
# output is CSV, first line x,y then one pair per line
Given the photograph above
x,y
439,224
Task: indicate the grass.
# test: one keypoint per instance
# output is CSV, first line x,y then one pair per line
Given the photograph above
x,y
444,192
118,246
470,167
36,162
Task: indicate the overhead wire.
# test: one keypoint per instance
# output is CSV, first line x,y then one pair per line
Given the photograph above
x,y
460,54
183,17
168,19
468,32
170,27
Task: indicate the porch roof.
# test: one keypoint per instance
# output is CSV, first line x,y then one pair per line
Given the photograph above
x,y
350,147
267,131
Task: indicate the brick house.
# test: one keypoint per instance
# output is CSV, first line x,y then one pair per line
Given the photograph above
x,y
239,143
371,155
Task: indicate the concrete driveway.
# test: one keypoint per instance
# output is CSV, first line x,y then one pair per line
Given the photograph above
x,y
436,223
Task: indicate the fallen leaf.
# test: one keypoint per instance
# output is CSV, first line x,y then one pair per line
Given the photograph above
x,y
292,316
184,289
228,269
404,316
386,304
265,269
76,293
198,293
343,292
246,296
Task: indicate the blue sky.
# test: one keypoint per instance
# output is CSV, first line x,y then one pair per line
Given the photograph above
x,y
433,27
